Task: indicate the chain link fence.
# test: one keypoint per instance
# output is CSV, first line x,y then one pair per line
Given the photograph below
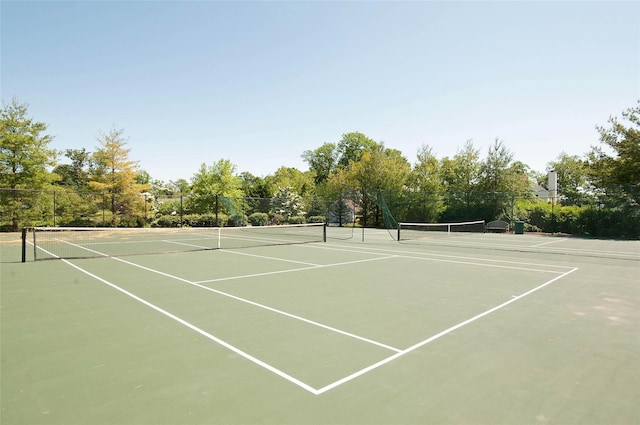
x,y
613,212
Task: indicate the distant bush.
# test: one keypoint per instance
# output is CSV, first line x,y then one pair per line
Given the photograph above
x,y
237,220
317,219
259,219
277,219
167,221
190,220
297,219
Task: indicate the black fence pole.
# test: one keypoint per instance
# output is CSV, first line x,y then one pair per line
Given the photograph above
x,y
54,208
181,209
24,244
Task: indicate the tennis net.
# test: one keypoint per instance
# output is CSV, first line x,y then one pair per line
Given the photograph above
x,y
93,242
408,231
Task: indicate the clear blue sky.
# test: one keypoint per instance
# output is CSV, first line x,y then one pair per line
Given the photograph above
x,y
258,83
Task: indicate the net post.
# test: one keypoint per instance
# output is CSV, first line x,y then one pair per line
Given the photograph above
x,y
24,244
398,232
324,232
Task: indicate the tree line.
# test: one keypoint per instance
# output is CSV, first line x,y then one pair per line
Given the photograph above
x,y
598,192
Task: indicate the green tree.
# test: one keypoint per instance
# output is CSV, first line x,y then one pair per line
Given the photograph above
x,y
461,176
114,175
377,169
176,187
76,174
322,161
258,191
501,181
351,147
574,186
254,186
299,181
24,160
381,169
287,203
621,166
143,177
211,181
424,195
494,170
75,204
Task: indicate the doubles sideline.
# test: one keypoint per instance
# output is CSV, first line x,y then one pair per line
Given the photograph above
x,y
316,391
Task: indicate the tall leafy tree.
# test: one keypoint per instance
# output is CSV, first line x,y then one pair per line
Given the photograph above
x,y
377,169
617,163
300,182
211,181
254,186
287,203
426,173
461,175
24,160
322,161
257,190
495,169
74,175
176,187
501,180
381,169
351,147
114,175
74,203
574,186
424,198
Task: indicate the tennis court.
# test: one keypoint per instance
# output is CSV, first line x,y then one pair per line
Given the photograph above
x,y
360,329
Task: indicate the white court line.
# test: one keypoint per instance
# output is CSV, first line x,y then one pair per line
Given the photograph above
x,y
200,331
471,263
547,243
269,258
265,307
187,244
291,378
438,335
244,253
551,250
320,266
255,304
456,258
102,254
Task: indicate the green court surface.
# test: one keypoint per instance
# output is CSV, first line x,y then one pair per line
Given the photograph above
x,y
451,329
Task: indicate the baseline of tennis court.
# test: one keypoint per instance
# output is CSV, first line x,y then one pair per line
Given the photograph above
x,y
345,321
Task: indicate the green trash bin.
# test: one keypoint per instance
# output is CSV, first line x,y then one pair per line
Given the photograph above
x,y
519,229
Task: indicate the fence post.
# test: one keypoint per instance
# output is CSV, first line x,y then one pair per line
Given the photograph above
x,y
54,208
181,210
217,222
24,244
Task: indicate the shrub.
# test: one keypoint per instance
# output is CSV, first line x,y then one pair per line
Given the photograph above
x,y
237,220
540,217
277,219
204,220
190,220
259,219
317,219
297,219
167,221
